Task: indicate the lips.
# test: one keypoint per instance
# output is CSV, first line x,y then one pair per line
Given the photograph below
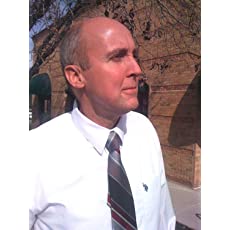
x,y
130,89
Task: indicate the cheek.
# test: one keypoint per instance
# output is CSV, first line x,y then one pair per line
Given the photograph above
x,y
106,79
110,78
109,90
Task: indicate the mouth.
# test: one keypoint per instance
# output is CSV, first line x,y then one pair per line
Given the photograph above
x,y
130,90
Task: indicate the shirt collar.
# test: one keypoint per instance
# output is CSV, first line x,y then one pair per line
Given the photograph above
x,y
97,135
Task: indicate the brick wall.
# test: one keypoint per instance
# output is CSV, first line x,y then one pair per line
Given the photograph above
x,y
174,109
171,61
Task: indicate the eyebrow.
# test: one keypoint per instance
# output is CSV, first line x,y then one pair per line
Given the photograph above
x,y
116,52
120,51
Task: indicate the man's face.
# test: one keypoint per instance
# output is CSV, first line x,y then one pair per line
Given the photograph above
x,y
112,79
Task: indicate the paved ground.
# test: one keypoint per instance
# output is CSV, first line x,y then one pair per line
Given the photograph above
x,y
186,202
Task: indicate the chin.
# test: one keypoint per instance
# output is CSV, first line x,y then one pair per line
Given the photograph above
x,y
132,106
126,106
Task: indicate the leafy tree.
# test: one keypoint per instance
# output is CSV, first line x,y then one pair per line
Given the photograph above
x,y
55,16
178,20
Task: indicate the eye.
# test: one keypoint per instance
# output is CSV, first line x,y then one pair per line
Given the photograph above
x,y
135,55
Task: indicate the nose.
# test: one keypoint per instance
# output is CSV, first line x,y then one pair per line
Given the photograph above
x,y
134,69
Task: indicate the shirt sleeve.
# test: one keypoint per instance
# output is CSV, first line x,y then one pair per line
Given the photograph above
x,y
167,215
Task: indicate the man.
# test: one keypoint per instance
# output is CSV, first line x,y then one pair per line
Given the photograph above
x,y
75,182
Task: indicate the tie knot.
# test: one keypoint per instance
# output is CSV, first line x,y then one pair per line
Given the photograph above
x,y
114,142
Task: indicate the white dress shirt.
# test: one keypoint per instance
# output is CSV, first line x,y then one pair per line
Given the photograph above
x,y
69,182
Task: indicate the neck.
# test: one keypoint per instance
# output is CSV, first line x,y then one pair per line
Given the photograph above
x,y
103,120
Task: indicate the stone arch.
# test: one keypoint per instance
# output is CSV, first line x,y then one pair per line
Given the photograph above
x,y
40,99
143,98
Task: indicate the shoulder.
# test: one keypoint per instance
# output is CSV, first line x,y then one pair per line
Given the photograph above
x,y
143,127
52,135
54,141
57,124
139,121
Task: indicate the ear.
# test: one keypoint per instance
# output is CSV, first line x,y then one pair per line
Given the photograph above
x,y
74,76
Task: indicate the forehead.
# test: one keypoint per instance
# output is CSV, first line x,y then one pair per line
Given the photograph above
x,y
108,36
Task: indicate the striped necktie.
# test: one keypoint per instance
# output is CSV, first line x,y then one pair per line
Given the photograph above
x,y
120,197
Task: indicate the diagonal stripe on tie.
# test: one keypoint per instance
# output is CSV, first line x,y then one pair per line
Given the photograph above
x,y
117,172
121,212
120,195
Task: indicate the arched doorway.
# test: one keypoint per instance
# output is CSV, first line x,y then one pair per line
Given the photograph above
x,y
40,99
143,97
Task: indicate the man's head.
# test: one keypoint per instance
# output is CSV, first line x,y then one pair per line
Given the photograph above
x,y
98,58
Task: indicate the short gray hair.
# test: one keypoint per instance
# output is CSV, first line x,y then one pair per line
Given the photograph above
x,y
73,47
